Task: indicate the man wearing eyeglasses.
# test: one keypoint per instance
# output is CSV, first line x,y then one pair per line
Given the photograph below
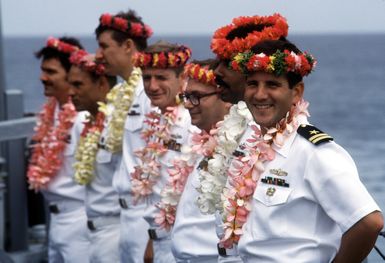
x,y
202,99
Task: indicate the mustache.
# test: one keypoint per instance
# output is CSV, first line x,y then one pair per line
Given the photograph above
x,y
221,82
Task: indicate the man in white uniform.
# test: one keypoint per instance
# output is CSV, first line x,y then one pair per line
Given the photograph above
x,y
166,130
193,235
90,86
308,203
68,239
117,46
238,36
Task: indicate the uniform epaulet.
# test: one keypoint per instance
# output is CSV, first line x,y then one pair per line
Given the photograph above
x,y
313,135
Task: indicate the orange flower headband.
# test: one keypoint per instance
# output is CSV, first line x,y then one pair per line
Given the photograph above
x,y
163,59
278,63
87,62
275,27
201,74
134,29
61,46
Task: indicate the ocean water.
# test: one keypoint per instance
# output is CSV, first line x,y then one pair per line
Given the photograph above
x,y
346,93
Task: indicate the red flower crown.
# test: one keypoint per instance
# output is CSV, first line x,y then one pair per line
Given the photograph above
x,y
61,46
163,60
200,74
87,62
278,63
275,27
134,29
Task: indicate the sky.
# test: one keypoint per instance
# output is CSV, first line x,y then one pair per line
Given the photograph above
x,y
175,17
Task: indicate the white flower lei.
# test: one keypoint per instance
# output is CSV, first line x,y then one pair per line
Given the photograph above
x,y
87,150
121,98
214,179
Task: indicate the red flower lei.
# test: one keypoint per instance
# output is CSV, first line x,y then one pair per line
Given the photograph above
x,y
86,61
200,74
201,144
146,175
246,171
134,29
51,140
275,27
163,59
61,46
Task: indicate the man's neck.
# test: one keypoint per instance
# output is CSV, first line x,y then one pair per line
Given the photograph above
x,y
126,73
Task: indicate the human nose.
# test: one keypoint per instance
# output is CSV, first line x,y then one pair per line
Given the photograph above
x,y
43,76
260,93
98,54
218,71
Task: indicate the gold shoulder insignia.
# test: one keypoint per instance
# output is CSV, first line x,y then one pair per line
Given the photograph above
x,y
313,135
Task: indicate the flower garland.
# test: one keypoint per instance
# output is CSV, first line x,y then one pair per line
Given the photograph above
x,y
88,148
278,63
61,46
146,175
51,140
214,179
86,61
134,29
245,172
200,74
163,60
274,27
121,98
201,144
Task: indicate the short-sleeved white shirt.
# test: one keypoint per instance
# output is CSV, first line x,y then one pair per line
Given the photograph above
x,y
304,222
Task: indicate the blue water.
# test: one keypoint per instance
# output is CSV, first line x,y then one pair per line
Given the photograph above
x,y
346,93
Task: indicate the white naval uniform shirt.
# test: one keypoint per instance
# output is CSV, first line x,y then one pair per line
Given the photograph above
x,y
180,133
193,235
304,222
132,140
101,198
62,187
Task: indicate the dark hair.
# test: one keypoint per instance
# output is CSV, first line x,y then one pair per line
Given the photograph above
x,y
64,58
269,47
119,36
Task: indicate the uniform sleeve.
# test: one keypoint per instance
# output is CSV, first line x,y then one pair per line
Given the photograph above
x,y
333,178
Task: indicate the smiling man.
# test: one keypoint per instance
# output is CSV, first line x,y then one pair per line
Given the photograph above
x,y
165,132
193,233
305,201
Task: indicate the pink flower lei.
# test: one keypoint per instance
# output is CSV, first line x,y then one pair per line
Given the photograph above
x,y
146,175
245,172
86,61
51,140
202,143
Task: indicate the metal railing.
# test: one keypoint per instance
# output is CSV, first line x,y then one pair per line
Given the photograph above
x,y
14,132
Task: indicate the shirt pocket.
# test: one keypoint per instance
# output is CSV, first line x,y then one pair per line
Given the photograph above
x,y
103,156
272,195
134,123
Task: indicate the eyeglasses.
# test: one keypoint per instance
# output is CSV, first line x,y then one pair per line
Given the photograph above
x,y
194,98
